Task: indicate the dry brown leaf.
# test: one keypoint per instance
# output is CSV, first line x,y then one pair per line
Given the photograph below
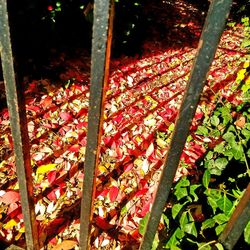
x,y
65,245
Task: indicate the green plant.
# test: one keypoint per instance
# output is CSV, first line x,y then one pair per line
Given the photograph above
x,y
200,206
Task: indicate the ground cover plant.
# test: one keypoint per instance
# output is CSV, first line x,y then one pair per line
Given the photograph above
x,y
143,98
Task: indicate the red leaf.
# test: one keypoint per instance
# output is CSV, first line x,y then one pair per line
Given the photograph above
x,y
145,209
113,192
81,125
128,167
102,193
102,223
46,102
33,108
65,116
135,234
52,176
82,112
108,141
74,148
52,195
10,197
141,192
13,210
15,213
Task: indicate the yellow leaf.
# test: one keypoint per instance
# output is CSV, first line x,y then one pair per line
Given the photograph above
x,y
22,230
2,164
10,224
241,75
151,100
102,169
18,236
138,162
161,143
138,139
45,168
246,64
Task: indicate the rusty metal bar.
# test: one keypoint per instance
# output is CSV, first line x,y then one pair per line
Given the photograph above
x,y
19,131
212,31
100,57
237,222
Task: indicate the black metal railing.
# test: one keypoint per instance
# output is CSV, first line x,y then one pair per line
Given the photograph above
x,y
100,58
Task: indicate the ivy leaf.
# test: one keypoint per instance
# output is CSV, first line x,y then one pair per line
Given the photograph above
x,y
225,204
247,233
212,203
206,179
225,113
174,241
209,155
237,151
165,219
246,133
181,193
219,246
176,209
192,191
143,223
221,163
184,220
220,148
219,229
191,229
220,218
184,182
204,246
229,137
209,223
215,121
202,130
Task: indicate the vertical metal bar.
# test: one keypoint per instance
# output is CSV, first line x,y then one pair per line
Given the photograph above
x,y
237,222
19,132
212,30
100,57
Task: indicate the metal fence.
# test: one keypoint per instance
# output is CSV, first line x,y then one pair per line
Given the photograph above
x,y
100,58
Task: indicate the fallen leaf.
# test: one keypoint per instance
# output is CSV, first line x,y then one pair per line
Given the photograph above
x,y
241,122
10,197
65,116
150,150
74,148
65,245
10,224
113,192
45,168
102,223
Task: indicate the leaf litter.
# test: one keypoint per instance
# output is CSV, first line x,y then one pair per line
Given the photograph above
x,y
143,98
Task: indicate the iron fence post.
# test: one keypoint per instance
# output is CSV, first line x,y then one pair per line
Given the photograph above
x,y
100,57
16,107
212,31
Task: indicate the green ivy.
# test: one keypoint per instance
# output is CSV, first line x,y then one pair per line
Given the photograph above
x,y
202,205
